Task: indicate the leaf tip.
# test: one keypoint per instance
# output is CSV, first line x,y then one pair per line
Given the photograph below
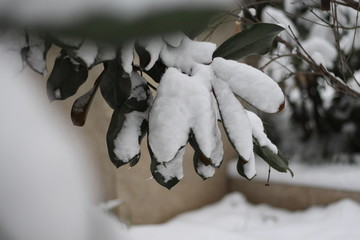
x,y
281,107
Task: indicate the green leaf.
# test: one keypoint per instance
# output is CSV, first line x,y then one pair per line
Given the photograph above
x,y
115,84
66,77
256,39
81,106
276,161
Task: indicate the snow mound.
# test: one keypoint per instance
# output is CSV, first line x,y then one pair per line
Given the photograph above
x,y
234,218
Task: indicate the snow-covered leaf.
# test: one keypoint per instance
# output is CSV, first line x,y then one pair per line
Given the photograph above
x,y
173,39
202,164
250,84
86,53
246,169
183,103
106,52
149,51
276,161
35,53
256,39
259,133
129,124
170,173
127,56
183,107
65,78
115,84
188,54
234,118
82,105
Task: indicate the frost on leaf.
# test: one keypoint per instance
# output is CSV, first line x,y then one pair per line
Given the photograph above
x,y
250,84
129,124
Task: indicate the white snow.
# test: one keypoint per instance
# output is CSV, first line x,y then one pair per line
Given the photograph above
x,y
57,93
88,52
205,171
235,119
35,56
127,141
233,218
11,43
187,54
153,46
127,56
276,16
173,168
106,53
174,39
321,51
250,84
329,176
47,180
183,103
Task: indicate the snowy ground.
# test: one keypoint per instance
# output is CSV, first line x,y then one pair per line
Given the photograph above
x,y
234,218
337,176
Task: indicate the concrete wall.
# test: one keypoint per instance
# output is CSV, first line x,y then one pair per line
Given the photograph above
x,y
291,197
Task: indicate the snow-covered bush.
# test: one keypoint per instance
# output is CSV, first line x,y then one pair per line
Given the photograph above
x,y
317,54
196,85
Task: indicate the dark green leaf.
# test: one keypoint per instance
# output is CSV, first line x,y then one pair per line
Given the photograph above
x,y
157,71
82,105
113,29
66,78
144,56
256,39
276,161
115,84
